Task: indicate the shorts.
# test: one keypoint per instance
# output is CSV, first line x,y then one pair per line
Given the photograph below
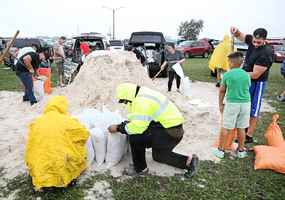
x,y
236,115
256,91
60,68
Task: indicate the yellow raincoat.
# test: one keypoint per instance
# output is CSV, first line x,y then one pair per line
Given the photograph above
x,y
219,58
55,150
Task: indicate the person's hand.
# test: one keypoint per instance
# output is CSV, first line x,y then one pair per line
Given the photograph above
x,y
113,128
234,30
222,108
32,71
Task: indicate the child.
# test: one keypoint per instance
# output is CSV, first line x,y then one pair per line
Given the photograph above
x,y
236,111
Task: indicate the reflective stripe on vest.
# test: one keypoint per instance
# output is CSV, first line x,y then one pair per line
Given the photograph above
x,y
162,107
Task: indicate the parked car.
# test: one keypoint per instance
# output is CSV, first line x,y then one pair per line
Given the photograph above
x,y
192,48
116,45
149,48
279,53
127,47
96,42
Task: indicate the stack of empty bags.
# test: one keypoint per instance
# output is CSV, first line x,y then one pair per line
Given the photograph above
x,y
103,146
272,155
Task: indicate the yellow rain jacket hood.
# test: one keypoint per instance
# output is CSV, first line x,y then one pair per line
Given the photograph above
x,y
219,58
55,150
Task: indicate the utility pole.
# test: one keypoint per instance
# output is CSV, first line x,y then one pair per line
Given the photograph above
x,y
113,12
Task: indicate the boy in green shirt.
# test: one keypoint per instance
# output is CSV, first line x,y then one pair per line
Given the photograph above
x,y
236,110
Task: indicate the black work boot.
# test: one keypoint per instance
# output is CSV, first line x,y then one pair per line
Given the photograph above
x,y
130,171
193,167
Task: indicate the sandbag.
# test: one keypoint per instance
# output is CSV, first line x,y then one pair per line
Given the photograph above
x,y
117,142
39,89
273,135
99,140
90,151
186,86
269,157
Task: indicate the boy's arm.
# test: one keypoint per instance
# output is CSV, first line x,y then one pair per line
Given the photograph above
x,y
221,97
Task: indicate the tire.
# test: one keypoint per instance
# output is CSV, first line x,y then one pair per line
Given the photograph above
x,y
206,55
187,55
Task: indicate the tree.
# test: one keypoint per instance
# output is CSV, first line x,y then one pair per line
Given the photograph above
x,y
190,30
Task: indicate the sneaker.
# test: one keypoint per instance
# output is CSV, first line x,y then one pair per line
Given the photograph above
x,y
218,153
248,140
218,84
241,154
33,102
178,90
25,99
130,171
193,167
281,98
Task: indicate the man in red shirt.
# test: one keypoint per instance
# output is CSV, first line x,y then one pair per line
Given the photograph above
x,y
85,50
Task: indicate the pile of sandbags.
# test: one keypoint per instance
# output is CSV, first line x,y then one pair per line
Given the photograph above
x,y
105,146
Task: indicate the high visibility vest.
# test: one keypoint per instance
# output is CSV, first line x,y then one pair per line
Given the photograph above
x,y
148,106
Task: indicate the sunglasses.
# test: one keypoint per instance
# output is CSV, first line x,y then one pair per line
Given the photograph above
x,y
258,42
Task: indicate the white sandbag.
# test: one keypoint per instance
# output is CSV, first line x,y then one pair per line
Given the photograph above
x,y
186,86
88,117
178,69
90,151
99,140
116,148
117,142
39,91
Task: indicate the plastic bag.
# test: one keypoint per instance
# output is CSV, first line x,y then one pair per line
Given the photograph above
x,y
99,140
39,89
178,69
186,86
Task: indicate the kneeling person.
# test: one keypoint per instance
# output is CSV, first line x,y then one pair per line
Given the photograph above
x,y
153,122
236,114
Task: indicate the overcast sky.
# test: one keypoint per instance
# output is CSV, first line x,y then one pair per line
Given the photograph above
x,y
68,17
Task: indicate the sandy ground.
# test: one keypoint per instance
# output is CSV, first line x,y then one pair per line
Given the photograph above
x,y
94,87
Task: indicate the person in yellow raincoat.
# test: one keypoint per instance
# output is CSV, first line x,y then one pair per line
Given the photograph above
x,y
55,151
219,60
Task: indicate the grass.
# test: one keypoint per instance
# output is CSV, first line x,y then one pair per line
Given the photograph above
x,y
230,179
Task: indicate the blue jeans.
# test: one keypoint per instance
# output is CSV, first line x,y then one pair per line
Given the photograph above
x,y
27,80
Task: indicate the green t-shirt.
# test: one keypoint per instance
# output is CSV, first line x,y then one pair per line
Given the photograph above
x,y
237,83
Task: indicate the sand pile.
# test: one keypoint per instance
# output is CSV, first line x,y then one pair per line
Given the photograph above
x,y
95,86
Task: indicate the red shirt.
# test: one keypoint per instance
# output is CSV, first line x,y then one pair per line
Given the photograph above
x,y
85,48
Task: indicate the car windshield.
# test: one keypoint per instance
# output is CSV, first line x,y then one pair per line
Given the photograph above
x,y
144,38
116,43
279,48
185,43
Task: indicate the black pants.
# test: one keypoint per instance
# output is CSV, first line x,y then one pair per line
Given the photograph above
x,y
171,76
162,144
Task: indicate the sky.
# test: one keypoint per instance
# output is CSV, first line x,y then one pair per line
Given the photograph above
x,y
70,17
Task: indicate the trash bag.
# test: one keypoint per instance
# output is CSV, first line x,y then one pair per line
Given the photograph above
x,y
273,135
56,146
90,151
219,58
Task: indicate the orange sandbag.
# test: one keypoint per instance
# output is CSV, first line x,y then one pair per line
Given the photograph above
x,y
268,157
47,84
230,144
273,135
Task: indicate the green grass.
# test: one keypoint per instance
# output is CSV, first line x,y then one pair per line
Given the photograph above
x,y
230,179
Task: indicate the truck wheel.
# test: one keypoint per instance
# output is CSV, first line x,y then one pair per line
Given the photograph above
x,y
187,55
205,55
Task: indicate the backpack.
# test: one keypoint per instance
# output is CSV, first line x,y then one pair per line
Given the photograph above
x,y
282,69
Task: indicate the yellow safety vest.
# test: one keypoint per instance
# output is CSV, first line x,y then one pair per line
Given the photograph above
x,y
148,106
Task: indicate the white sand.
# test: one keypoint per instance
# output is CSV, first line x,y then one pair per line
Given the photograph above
x,y
95,86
